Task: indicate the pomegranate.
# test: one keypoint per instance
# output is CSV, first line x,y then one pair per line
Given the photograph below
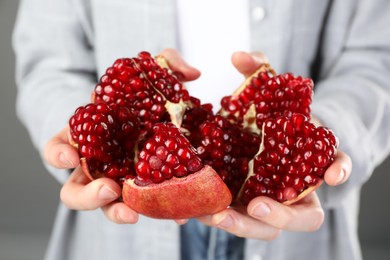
x,y
176,159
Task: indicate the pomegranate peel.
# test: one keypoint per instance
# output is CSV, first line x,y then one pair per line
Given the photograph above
x,y
198,194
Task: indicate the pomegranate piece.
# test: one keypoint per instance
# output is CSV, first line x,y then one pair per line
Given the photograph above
x,y
105,136
166,154
146,85
268,96
235,106
292,160
172,181
132,131
198,194
266,99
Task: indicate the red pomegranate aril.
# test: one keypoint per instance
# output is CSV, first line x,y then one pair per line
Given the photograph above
x,y
184,154
150,146
170,144
321,160
155,162
304,169
172,160
166,171
289,193
194,164
157,176
113,173
143,170
310,180
299,186
217,154
180,171
273,158
162,152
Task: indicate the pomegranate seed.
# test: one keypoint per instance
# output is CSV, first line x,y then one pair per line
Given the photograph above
x,y
180,171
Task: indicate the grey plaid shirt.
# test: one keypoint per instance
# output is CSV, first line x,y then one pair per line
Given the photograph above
x,y
61,46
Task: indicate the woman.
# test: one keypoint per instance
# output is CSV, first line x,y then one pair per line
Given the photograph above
x,y
63,47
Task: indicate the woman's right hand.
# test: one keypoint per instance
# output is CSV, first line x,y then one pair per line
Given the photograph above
x,y
79,192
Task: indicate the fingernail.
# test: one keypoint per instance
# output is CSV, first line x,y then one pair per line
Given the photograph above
x,y
125,218
261,210
341,176
227,222
65,161
259,58
181,221
105,193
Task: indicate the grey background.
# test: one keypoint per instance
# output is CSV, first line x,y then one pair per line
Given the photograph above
x,y
29,195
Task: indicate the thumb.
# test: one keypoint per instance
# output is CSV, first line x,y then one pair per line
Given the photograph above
x,y
247,63
183,70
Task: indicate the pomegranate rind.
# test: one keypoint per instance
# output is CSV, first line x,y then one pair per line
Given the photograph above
x,y
198,194
92,175
239,206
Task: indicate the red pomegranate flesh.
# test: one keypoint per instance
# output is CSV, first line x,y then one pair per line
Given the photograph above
x,y
176,159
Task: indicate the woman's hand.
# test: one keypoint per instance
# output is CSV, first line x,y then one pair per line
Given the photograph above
x,y
79,192
266,218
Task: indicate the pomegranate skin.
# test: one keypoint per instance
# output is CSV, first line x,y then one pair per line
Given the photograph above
x,y
198,194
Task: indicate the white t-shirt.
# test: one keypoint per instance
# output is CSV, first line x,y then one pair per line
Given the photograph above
x,y
209,32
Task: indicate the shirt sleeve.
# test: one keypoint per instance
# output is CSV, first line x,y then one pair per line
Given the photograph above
x,y
55,70
353,97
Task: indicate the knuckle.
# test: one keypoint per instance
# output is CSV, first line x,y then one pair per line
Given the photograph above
x,y
282,223
274,235
318,221
64,197
112,215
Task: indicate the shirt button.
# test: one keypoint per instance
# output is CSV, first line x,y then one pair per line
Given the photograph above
x,y
256,257
258,13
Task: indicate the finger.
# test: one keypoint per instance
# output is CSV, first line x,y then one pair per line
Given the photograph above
x,y
247,63
59,153
304,215
119,213
241,225
181,221
340,170
80,193
184,71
